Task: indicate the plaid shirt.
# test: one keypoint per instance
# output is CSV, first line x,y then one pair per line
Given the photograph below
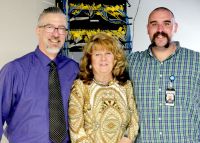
x,y
160,123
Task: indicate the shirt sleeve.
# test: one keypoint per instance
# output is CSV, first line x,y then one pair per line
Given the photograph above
x,y
76,114
7,89
133,125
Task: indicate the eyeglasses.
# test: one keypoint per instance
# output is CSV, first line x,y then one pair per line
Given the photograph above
x,y
51,28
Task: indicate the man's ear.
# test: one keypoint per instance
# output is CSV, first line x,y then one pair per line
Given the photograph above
x,y
175,27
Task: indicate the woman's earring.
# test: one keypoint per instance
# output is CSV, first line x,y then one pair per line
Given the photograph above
x,y
90,66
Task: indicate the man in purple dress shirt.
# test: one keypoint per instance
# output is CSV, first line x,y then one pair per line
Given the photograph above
x,y
24,90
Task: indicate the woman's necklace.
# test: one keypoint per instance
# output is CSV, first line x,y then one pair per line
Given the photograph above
x,y
103,83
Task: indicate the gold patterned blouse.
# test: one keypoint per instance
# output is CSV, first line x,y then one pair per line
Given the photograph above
x,y
102,114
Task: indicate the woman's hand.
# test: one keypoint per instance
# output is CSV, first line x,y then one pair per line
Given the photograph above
x,y
125,140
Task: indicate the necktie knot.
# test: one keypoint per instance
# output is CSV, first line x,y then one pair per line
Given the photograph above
x,y
52,65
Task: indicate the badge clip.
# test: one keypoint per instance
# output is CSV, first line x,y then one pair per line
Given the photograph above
x,y
170,93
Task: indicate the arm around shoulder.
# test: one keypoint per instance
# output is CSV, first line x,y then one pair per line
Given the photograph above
x,y
134,121
76,114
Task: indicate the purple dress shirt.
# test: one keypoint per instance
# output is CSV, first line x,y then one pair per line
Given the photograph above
x,y
24,96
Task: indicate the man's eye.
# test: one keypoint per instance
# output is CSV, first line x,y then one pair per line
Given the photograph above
x,y
167,24
49,26
154,24
61,28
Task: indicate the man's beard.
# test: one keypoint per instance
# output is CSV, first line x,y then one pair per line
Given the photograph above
x,y
153,43
53,50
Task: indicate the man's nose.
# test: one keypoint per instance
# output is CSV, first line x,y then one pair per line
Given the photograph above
x,y
160,28
55,32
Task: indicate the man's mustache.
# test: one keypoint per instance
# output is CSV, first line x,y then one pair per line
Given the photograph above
x,y
160,33
156,35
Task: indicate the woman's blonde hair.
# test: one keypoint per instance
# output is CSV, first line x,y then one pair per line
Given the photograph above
x,y
107,42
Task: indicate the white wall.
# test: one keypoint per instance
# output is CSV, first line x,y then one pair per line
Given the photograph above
x,y
187,14
19,18
17,28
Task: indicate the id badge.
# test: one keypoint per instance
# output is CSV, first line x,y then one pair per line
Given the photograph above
x,y
170,97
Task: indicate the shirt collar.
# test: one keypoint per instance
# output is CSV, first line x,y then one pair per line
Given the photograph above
x,y
42,57
176,51
60,59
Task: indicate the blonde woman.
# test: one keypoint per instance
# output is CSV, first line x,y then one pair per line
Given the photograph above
x,y
102,107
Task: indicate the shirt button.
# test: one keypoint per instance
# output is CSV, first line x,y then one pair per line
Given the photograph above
x,y
159,118
160,89
161,63
160,104
160,75
160,133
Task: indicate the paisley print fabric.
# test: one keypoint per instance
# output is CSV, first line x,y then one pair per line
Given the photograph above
x,y
102,114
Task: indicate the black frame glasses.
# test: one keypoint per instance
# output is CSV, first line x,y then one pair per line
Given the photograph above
x,y
51,28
